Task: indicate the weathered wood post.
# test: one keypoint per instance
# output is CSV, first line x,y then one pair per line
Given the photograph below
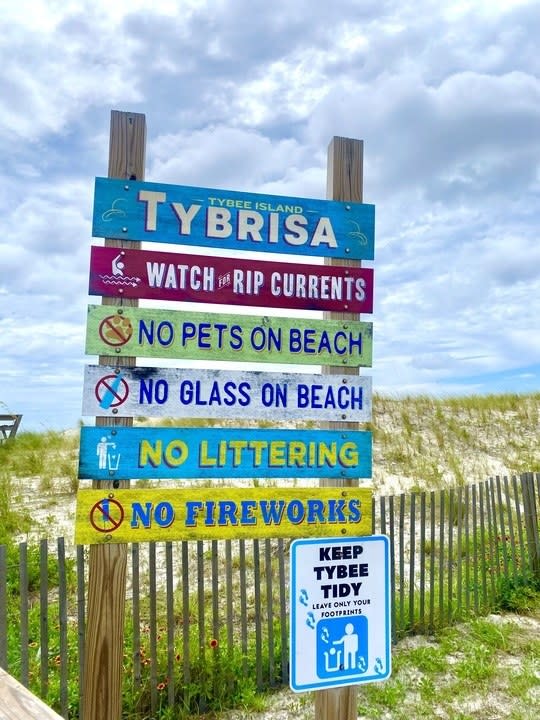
x,y
104,649
18,703
344,182
530,515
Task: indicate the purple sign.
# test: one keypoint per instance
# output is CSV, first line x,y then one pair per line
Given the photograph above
x,y
153,275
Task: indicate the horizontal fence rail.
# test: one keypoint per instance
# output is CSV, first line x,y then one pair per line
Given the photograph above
x,y
208,620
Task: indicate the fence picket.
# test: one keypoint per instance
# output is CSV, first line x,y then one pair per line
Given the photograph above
x,y
466,505
186,658
450,557
475,547
3,607
44,616
257,612
81,621
23,610
401,575
201,621
63,626
171,624
421,610
269,608
215,593
519,521
442,505
229,605
492,537
136,610
152,591
432,538
504,537
412,555
510,527
530,512
483,557
459,548
283,608
392,566
243,602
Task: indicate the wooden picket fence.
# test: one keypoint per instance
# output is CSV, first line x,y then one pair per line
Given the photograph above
x,y
210,619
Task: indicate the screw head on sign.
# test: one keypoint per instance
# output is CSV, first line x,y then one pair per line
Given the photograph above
x,y
120,311
111,472
116,350
347,207
126,187
115,411
343,417
343,531
108,538
124,229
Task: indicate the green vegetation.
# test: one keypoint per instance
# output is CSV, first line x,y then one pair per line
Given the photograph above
x,y
218,679
51,456
431,443
488,668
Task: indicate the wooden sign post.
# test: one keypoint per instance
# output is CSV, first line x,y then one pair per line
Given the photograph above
x,y
104,648
345,183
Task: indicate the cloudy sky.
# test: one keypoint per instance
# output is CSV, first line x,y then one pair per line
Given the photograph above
x,y
246,95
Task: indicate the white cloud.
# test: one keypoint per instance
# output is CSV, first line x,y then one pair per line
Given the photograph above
x,y
246,96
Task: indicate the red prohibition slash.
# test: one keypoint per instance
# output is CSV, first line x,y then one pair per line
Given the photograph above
x,y
102,518
115,330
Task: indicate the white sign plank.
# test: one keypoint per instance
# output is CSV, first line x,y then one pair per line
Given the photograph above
x,y
181,392
340,612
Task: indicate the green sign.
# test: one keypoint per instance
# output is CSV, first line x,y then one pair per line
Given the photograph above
x,y
145,332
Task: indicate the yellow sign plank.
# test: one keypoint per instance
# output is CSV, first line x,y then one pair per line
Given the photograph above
x,y
142,515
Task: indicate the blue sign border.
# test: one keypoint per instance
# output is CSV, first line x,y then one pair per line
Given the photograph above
x,y
119,214
116,453
343,680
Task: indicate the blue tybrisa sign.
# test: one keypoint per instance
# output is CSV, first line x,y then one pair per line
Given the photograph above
x,y
162,452
154,212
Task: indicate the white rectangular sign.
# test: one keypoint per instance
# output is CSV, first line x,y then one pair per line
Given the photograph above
x,y
181,392
340,612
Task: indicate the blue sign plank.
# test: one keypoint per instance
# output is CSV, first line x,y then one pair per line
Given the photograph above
x,y
156,452
178,214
